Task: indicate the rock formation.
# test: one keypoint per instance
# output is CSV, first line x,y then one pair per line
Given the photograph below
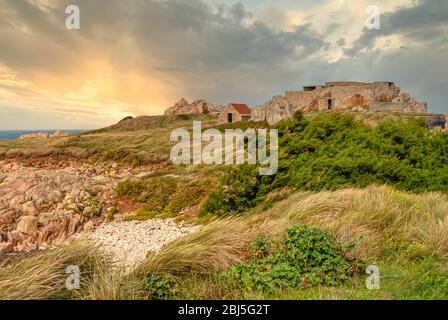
x,y
57,133
128,118
196,107
34,135
44,206
409,104
273,111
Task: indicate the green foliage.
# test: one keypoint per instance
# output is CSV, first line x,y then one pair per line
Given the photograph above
x,y
157,287
184,117
431,281
111,212
335,150
243,125
154,193
239,190
307,257
187,195
161,195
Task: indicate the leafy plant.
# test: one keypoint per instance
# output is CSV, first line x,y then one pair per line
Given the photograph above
x,y
157,287
307,257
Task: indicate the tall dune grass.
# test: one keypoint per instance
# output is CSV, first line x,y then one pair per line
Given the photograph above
x,y
384,222
215,246
378,218
42,275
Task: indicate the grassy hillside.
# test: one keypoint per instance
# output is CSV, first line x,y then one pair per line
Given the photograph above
x,y
137,141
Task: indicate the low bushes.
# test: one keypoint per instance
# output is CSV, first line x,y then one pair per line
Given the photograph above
x,y
306,257
335,150
163,196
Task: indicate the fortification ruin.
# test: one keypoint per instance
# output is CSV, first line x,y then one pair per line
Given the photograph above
x,y
350,96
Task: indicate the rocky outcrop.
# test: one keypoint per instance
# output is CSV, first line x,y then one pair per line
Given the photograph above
x,y
273,111
402,103
128,118
34,135
409,104
196,107
27,225
43,206
59,133
43,135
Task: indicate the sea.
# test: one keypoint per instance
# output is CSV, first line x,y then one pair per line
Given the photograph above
x,y
15,134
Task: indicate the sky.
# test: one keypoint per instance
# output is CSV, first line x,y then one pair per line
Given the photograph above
x,y
138,57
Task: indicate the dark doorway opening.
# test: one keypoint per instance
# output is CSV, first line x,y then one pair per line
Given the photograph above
x,y
330,104
230,117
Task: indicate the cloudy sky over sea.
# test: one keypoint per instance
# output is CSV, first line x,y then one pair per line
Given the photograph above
x,y
140,56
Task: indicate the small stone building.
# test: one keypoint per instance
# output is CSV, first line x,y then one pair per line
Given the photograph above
x,y
235,112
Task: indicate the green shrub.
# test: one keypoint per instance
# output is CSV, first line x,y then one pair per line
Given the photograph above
x,y
157,288
334,151
187,195
432,283
154,193
307,257
238,191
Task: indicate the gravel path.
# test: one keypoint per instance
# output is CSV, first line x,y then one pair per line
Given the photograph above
x,y
130,241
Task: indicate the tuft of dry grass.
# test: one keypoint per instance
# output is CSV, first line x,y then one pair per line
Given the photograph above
x,y
111,284
215,246
378,216
42,275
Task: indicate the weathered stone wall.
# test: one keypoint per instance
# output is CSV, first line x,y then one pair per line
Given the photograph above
x,y
344,95
353,96
273,111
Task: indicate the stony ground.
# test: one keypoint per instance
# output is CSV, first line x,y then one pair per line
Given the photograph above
x,y
129,241
44,203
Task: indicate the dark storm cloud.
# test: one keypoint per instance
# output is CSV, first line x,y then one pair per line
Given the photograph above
x,y
175,34
425,22
222,54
